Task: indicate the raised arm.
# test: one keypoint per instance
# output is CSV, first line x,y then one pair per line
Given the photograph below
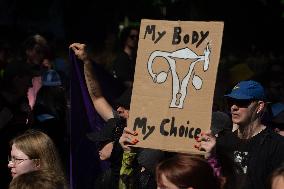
x,y
101,105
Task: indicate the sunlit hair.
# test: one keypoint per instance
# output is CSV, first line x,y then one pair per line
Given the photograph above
x,y
187,171
39,179
39,147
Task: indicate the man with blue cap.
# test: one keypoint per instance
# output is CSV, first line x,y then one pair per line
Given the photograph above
x,y
250,153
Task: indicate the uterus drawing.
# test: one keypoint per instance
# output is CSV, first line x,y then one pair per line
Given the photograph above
x,y
179,88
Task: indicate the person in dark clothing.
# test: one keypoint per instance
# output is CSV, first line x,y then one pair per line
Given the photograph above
x,y
50,111
147,159
249,154
277,120
15,112
109,149
253,159
123,67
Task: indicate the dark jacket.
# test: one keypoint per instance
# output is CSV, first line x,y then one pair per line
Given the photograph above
x,y
109,179
14,120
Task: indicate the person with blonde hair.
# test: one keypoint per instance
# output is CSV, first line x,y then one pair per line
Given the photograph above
x,y
42,179
33,150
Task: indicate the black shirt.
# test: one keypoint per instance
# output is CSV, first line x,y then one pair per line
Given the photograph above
x,y
248,163
124,67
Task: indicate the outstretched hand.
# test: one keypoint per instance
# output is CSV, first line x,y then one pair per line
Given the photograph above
x,y
127,139
80,51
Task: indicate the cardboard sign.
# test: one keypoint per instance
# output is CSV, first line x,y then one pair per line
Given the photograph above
x,y
174,83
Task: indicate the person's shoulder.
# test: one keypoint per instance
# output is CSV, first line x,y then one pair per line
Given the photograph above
x,y
273,135
274,145
279,139
227,139
272,139
226,134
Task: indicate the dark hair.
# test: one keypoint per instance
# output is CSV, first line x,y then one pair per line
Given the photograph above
x,y
14,70
220,121
187,171
43,179
52,100
125,33
40,44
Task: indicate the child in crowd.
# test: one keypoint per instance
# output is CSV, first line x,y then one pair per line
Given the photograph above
x,y
31,151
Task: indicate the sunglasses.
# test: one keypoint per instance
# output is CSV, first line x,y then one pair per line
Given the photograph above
x,y
239,103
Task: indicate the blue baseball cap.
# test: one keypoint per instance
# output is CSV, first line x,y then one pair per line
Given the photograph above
x,y
247,90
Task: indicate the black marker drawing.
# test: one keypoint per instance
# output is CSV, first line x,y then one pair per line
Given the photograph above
x,y
179,89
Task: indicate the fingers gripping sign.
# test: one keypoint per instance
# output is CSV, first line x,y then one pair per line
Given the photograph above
x,y
205,142
128,138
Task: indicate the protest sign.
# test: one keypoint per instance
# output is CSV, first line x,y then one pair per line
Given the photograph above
x,y
175,75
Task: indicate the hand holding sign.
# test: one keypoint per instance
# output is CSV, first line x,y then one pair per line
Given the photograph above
x,y
127,139
206,142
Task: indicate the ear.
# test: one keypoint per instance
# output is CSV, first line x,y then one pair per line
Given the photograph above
x,y
260,107
37,164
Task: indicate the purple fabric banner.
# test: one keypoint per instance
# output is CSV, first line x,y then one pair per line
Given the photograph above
x,y
85,165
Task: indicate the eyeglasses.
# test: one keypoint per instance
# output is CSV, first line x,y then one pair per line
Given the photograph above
x,y
133,37
239,103
16,161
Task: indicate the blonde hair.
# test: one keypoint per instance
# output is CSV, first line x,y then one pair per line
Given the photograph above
x,y
39,147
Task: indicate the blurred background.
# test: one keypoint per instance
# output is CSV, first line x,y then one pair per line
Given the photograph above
x,y
249,25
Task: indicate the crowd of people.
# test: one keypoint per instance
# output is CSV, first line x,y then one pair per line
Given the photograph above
x,y
33,113
243,149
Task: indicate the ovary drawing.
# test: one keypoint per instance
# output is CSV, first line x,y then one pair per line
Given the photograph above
x,y
179,89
